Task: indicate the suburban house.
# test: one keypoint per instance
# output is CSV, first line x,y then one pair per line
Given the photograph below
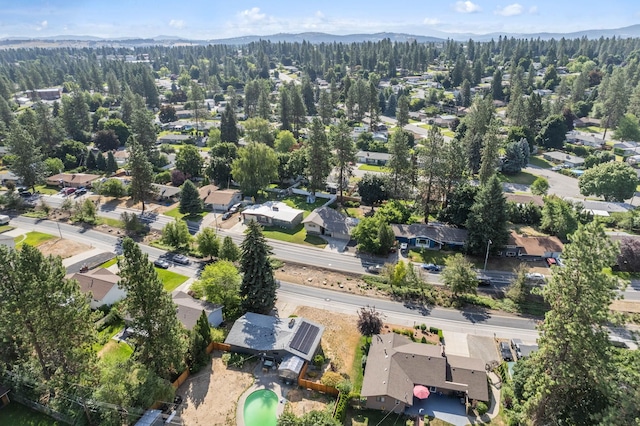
x,y
166,192
121,156
9,176
50,94
532,247
523,199
190,309
431,236
103,286
71,180
563,158
601,208
444,120
329,222
586,122
219,200
374,158
626,149
273,213
395,365
275,338
586,139
7,241
174,139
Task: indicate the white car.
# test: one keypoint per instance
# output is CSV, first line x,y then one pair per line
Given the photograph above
x,y
535,276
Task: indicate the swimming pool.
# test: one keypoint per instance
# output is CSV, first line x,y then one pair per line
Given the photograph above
x,y
260,408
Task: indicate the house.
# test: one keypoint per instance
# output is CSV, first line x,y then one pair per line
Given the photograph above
x,y
601,208
561,157
375,158
72,180
151,418
532,247
103,286
432,235
166,192
273,213
9,176
174,139
121,156
275,338
523,199
586,122
4,395
219,200
586,139
7,241
50,94
444,120
190,309
626,149
329,222
395,365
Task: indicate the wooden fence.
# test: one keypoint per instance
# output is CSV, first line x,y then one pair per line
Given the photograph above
x,y
308,384
213,346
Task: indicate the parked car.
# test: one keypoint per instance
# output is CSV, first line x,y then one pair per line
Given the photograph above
x,y
80,191
161,263
535,277
505,351
226,216
374,269
484,280
24,193
404,247
181,259
68,191
431,267
515,345
235,208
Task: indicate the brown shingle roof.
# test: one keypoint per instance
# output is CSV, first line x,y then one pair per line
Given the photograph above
x,y
98,281
437,232
190,309
395,365
210,194
525,199
328,218
73,178
535,246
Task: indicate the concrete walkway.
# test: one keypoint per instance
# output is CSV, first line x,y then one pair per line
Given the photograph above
x,y
494,408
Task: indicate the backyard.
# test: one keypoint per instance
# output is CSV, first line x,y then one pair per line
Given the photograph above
x,y
19,415
540,162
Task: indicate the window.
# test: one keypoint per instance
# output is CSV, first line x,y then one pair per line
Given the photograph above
x,y
433,389
380,399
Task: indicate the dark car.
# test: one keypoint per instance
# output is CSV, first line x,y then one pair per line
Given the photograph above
x,y
24,193
505,351
484,280
431,267
160,263
181,259
226,216
374,269
80,192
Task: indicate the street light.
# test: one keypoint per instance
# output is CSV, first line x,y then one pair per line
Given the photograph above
x,y
486,257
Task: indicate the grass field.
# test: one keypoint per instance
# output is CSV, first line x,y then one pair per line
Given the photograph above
x,y
47,190
175,212
115,352
540,162
5,228
110,222
109,263
522,178
32,238
170,280
373,168
297,235
19,415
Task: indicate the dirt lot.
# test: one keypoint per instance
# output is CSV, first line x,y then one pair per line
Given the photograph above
x,y
304,400
340,337
211,396
62,248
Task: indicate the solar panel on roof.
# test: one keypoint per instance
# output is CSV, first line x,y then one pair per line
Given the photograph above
x,y
304,337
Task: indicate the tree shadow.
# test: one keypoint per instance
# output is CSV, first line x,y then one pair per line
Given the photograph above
x,y
476,316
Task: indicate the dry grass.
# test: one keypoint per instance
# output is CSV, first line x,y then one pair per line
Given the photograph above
x,y
629,306
340,337
62,248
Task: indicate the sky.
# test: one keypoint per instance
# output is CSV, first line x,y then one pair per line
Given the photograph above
x,y
213,19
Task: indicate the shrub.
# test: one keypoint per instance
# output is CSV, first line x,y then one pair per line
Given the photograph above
x,y
331,378
423,340
423,327
482,408
218,335
341,407
318,360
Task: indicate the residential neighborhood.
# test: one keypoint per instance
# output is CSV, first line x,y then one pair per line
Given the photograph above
x,y
286,231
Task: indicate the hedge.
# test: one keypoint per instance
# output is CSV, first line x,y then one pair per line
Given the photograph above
x,y
341,407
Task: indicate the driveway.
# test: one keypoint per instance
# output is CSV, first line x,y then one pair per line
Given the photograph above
x,y
442,407
484,348
561,185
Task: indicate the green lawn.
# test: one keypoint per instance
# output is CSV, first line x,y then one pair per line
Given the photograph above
x,y
47,190
436,257
109,263
32,238
297,235
116,223
592,129
540,162
522,178
19,415
373,168
175,212
5,228
115,352
297,202
357,375
170,280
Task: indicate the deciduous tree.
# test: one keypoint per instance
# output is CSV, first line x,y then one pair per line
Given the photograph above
x,y
176,234
220,283
255,167
229,250
459,275
208,243
27,163
369,321
189,161
614,181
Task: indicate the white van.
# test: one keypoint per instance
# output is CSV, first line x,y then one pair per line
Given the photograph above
x,y
4,219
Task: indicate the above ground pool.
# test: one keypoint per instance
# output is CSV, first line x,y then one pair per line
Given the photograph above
x,y
260,408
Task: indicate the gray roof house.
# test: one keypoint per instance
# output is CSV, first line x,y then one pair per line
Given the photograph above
x,y
431,235
375,158
190,309
273,213
274,337
561,157
329,222
395,365
174,139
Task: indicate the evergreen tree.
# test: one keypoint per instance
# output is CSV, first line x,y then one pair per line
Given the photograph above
x,y
318,156
325,107
285,108
27,163
228,128
190,201
229,250
111,166
392,105
258,288
199,339
489,155
345,152
161,339
141,173
399,163
143,128
432,167
487,219
75,114
101,163
91,161
264,106
402,113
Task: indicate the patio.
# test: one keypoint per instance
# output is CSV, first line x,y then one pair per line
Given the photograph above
x,y
447,408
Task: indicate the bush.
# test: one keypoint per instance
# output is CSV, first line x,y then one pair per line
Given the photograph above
x,y
318,360
218,335
423,340
423,327
331,378
341,407
482,408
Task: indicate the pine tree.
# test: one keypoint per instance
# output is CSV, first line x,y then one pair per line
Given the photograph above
x,y
399,163
487,219
28,164
161,339
199,340
258,288
141,173
402,113
229,250
228,128
345,152
91,161
111,166
489,155
190,201
101,163
318,156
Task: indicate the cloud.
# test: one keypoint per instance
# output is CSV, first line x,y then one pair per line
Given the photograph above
x,y
319,14
466,7
176,23
252,15
510,10
431,21
42,26
533,10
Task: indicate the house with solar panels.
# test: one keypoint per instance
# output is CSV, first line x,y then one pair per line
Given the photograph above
x,y
289,342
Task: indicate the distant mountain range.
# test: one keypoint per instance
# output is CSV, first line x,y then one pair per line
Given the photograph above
x,y
318,37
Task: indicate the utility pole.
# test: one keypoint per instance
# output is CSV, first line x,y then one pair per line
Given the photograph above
x,y
486,257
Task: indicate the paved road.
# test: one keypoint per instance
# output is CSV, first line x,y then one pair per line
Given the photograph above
x,y
559,184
